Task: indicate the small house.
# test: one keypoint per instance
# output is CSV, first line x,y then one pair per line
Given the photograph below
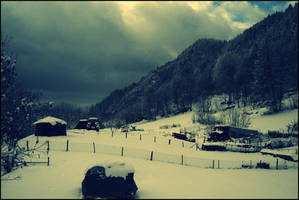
x,y
82,124
91,123
50,126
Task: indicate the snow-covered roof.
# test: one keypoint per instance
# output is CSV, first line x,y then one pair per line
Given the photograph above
x,y
83,120
52,120
93,118
218,131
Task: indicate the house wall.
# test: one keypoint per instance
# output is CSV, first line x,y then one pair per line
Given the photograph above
x,y
46,129
239,132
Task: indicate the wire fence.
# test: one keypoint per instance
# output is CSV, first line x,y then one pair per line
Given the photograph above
x,y
181,159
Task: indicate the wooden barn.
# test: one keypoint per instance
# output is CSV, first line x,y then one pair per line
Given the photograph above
x,y
50,126
221,133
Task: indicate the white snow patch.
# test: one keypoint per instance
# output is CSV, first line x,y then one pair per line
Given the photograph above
x,y
118,169
114,168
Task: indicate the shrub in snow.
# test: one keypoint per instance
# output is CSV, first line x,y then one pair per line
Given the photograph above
x,y
263,165
110,180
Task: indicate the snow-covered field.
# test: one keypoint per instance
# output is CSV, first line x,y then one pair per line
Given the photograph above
x,y
164,177
62,179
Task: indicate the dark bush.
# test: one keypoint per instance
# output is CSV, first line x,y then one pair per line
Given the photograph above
x,y
97,184
213,148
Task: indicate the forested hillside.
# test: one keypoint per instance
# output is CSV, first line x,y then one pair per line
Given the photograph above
x,y
258,66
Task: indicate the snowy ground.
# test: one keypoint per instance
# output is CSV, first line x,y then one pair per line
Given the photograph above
x,y
164,177
62,179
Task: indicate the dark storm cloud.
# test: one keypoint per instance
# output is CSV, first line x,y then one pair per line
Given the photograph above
x,y
81,51
71,48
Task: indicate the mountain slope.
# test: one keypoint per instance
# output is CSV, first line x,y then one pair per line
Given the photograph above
x,y
258,66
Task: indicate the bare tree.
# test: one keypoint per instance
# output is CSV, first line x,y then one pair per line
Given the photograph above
x,y
235,117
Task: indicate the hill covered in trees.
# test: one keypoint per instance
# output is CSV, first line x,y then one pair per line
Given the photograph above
x,y
258,66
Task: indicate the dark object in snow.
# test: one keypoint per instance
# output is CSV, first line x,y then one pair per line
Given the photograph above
x,y
184,136
91,123
98,184
179,136
213,147
263,165
50,126
127,128
246,166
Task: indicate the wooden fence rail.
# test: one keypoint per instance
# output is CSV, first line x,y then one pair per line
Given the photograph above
x,y
182,159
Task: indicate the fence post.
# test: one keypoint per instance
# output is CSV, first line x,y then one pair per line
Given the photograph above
x,y
213,164
140,137
182,159
48,160
218,164
67,145
37,139
48,149
276,163
183,145
94,147
126,135
250,164
122,151
169,141
154,139
27,144
152,155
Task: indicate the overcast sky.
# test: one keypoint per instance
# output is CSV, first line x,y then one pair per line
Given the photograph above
x,y
79,52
